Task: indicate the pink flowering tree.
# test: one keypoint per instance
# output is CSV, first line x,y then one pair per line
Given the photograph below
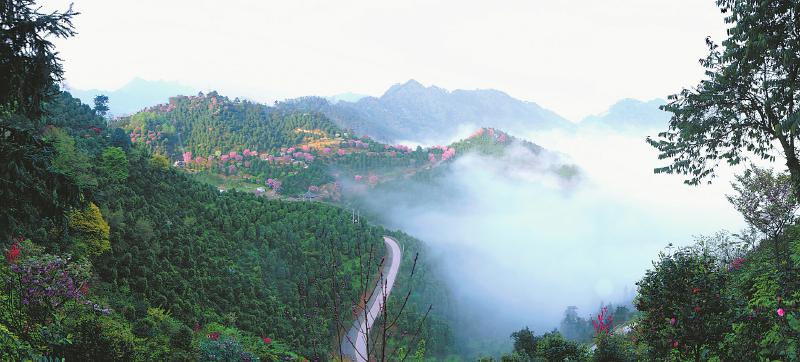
x,y
274,184
448,153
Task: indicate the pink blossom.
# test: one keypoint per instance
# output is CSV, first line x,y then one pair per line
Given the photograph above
x,y
232,154
187,157
340,152
781,312
290,150
477,133
448,153
431,157
603,322
737,263
13,253
274,184
306,148
357,178
309,157
373,179
672,321
326,150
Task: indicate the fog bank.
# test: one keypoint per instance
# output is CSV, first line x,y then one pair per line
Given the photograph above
x,y
519,244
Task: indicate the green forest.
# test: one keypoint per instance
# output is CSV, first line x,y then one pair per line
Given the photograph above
x,y
114,254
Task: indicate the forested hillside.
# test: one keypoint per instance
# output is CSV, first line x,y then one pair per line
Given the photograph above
x,y
212,125
275,151
114,254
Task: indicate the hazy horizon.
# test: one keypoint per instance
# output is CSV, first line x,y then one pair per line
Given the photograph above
x,y
527,49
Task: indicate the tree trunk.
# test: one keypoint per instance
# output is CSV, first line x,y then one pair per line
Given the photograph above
x,y
793,164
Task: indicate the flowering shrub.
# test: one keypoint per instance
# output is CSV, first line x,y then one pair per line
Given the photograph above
x,y
13,253
603,322
737,263
50,280
683,305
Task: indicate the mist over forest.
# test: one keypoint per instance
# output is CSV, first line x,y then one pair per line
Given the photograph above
x,y
403,181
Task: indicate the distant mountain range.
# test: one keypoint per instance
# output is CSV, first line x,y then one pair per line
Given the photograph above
x,y
135,95
630,115
347,97
411,111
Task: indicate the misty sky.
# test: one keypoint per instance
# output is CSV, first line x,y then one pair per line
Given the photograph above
x,y
575,57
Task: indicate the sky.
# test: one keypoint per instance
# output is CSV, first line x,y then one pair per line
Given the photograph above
x,y
574,57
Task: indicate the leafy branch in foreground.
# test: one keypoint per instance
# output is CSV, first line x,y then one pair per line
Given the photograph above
x,y
747,104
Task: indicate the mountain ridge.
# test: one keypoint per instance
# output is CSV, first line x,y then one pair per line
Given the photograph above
x,y
412,111
134,95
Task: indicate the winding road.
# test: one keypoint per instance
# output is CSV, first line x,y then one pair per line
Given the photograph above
x,y
354,344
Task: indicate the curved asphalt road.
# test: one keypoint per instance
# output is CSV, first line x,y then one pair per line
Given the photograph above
x,y
356,336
